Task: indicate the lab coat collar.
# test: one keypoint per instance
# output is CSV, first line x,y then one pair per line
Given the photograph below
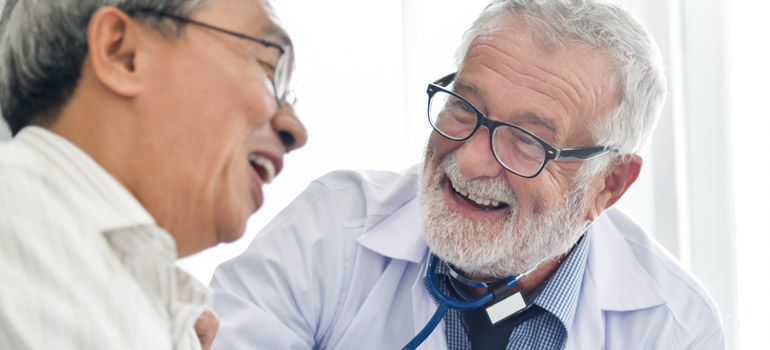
x,y
622,283
392,227
399,235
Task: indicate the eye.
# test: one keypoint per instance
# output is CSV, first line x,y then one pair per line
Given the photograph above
x,y
455,102
525,138
269,68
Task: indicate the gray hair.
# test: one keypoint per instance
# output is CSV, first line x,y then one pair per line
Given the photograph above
x,y
43,45
608,27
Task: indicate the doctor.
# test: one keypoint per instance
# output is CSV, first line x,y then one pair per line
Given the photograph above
x,y
535,137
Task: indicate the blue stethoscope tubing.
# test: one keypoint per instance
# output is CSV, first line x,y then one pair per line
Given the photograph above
x,y
445,302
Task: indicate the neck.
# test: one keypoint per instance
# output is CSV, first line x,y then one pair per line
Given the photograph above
x,y
527,284
112,135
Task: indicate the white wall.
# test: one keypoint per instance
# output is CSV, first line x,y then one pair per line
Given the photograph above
x,y
747,58
5,133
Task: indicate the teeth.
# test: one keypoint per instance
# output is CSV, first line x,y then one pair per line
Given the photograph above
x,y
476,199
266,164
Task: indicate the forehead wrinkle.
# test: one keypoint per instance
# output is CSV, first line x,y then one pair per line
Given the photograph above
x,y
486,41
571,97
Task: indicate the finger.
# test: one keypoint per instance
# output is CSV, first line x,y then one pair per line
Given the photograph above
x,y
206,328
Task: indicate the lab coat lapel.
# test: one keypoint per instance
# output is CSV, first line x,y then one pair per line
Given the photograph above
x,y
424,308
398,235
382,203
393,229
614,280
587,330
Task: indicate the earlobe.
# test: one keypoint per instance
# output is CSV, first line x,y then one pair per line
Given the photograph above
x,y
616,182
112,51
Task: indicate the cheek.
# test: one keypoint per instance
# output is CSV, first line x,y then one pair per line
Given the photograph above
x,y
438,147
536,195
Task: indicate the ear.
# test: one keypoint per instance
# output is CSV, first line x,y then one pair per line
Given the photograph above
x,y
112,50
615,183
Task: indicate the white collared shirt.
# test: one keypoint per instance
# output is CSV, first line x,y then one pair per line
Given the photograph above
x,y
82,264
342,268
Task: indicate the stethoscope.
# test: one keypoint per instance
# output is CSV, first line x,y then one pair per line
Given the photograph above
x,y
496,291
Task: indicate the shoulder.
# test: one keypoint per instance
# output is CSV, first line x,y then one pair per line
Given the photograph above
x,y
349,198
308,256
29,190
322,224
58,264
659,276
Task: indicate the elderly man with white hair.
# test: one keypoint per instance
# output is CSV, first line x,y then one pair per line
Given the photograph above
x,y
504,237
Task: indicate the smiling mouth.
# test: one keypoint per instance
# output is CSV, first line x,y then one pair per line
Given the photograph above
x,y
475,200
263,166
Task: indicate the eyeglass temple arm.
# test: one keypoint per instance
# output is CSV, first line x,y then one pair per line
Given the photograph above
x,y
446,79
582,153
280,48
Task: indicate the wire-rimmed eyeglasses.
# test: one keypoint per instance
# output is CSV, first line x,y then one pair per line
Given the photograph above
x,y
281,69
516,149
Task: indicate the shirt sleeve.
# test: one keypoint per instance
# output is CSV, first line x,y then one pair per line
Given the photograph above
x,y
286,290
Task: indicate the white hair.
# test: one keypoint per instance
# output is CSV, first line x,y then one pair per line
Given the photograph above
x,y
43,45
609,27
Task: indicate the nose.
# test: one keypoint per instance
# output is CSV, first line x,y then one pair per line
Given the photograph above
x,y
290,130
475,158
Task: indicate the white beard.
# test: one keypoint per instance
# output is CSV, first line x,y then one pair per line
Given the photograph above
x,y
484,249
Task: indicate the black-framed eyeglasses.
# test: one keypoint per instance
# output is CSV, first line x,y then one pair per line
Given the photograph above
x,y
281,69
516,149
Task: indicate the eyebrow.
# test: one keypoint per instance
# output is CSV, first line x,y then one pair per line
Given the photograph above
x,y
273,31
540,121
463,88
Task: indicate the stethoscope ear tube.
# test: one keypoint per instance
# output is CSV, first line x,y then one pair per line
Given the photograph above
x,y
428,329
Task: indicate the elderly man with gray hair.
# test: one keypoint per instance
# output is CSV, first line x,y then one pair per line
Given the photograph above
x,y
144,131
504,237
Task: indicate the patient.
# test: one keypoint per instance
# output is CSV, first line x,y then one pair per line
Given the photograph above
x,y
143,131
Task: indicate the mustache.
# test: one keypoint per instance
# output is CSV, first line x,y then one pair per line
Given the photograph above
x,y
490,188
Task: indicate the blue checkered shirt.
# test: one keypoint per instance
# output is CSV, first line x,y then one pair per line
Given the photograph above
x,y
557,296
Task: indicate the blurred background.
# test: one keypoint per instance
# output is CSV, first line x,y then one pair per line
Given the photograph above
x,y
363,67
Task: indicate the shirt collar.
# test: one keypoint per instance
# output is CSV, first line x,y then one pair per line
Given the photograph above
x,y
108,204
560,293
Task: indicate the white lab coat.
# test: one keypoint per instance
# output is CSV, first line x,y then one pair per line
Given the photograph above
x,y
342,268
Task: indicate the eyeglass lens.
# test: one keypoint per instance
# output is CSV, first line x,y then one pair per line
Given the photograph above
x,y
515,149
282,75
